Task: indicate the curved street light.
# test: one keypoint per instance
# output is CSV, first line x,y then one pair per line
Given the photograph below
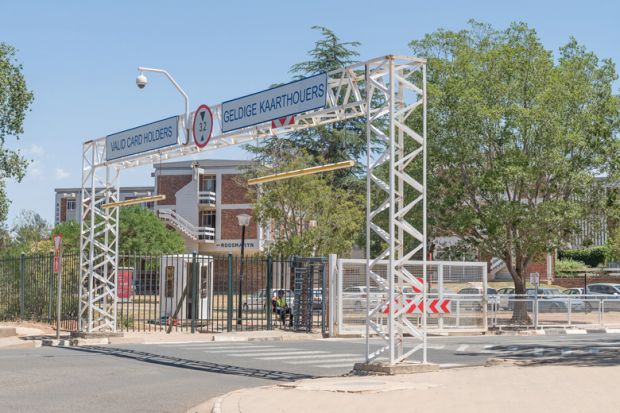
x,y
141,82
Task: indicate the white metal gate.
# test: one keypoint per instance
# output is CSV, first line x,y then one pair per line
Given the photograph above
x,y
445,279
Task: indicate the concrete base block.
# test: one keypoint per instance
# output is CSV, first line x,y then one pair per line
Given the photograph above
x,y
385,368
8,331
97,334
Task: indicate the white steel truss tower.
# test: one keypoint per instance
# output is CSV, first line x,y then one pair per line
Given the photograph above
x,y
387,91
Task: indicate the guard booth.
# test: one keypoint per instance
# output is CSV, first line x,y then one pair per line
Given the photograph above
x,y
176,289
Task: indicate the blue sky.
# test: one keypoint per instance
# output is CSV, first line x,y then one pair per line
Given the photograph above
x,y
80,60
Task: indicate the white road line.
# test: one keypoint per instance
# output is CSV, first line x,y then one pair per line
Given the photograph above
x,y
436,346
206,348
307,357
462,348
237,349
216,346
273,354
322,360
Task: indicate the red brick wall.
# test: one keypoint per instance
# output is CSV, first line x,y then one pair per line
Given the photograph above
x,y
230,225
234,190
540,266
63,210
577,282
169,185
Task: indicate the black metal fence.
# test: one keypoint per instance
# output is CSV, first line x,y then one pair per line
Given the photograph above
x,y
185,292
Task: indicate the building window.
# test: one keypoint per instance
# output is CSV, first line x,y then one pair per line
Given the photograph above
x,y
207,183
206,219
70,204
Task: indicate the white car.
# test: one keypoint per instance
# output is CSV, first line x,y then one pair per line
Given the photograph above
x,y
354,298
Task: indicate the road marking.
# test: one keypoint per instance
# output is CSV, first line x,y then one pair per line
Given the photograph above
x,y
462,348
218,348
323,362
238,349
274,354
307,357
319,358
436,346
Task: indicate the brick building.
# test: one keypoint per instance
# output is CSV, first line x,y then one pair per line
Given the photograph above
x,y
203,200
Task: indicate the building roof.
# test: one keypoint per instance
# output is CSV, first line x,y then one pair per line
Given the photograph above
x,y
121,189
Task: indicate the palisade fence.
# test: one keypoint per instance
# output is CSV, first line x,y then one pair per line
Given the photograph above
x,y
184,292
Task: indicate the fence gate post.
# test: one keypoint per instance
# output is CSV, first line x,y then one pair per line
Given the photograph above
x,y
229,301
332,277
22,268
268,293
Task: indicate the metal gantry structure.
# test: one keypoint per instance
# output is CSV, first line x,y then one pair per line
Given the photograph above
x,y
386,91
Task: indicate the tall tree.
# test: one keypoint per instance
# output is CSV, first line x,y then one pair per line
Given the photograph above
x,y
516,139
31,233
330,143
311,217
15,99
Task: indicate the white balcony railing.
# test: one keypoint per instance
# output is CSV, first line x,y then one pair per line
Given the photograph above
x,y
194,232
206,197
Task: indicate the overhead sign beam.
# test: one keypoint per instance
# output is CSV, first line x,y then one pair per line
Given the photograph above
x,y
134,201
145,138
344,101
292,98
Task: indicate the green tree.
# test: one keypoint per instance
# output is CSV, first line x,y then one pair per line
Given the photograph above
x,y
31,233
336,142
15,99
141,231
312,217
516,139
70,232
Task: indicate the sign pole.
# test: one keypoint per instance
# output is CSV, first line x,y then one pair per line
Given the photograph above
x,y
58,298
58,269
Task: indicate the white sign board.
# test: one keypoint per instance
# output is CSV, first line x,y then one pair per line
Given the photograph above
x,y
144,138
296,97
534,278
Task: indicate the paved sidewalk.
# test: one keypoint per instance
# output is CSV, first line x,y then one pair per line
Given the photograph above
x,y
28,337
476,389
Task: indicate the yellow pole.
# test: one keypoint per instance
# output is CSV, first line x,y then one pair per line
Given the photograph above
x,y
134,201
301,172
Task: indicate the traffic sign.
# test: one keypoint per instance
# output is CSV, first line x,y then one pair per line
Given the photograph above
x,y
436,306
202,125
534,278
56,264
57,243
281,122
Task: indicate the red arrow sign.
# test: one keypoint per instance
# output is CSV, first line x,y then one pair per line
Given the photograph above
x,y
281,122
444,307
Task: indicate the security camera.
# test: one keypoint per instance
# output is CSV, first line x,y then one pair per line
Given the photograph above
x,y
141,81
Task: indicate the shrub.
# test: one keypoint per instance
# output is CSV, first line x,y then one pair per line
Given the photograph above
x,y
563,267
591,257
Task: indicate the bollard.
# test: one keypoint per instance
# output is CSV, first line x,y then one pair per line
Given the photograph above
x,y
229,305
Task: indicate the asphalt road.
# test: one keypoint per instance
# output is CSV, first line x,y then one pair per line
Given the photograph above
x,y
174,377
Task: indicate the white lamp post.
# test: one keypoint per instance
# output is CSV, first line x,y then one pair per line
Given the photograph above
x,y
141,82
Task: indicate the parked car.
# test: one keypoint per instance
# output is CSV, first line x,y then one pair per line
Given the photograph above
x,y
506,296
608,293
354,298
573,291
476,293
551,300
